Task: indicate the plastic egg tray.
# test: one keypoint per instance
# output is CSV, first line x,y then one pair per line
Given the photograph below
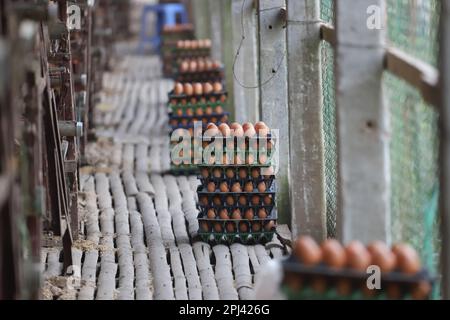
x,y
298,283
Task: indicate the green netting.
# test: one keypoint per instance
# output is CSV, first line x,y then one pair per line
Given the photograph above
x,y
329,121
413,27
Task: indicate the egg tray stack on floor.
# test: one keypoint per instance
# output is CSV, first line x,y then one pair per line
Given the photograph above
x,y
203,102
332,272
237,198
170,38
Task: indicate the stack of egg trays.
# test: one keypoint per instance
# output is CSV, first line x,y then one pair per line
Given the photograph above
x,y
181,103
295,274
169,44
217,200
250,237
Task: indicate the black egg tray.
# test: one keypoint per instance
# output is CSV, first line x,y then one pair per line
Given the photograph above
x,y
178,53
207,97
293,266
251,237
183,170
223,196
242,181
203,76
208,117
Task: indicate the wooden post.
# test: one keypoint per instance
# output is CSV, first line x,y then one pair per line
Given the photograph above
x,y
363,125
273,91
307,175
216,28
227,51
246,94
445,148
201,21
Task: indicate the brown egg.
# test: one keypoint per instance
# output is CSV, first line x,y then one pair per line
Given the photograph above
x,y
204,226
223,214
184,66
194,44
255,173
382,256
408,260
421,291
187,44
230,226
243,227
208,65
209,110
263,159
242,200
229,173
248,186
205,173
217,86
238,160
229,200
201,65
267,200
179,89
236,187
198,89
211,187
193,66
211,214
201,43
319,284
218,227
261,129
255,200
224,187
333,254
180,44
207,88
249,214
207,43
308,251
242,173
250,159
217,173
358,258
262,187
189,112
343,287
249,130
199,112
217,201
256,227
179,112
188,89
219,110
236,215
237,130
269,226
394,291
211,130
225,130
204,200
262,213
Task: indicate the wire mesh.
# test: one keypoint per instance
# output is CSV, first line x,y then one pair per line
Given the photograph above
x,y
413,27
329,121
